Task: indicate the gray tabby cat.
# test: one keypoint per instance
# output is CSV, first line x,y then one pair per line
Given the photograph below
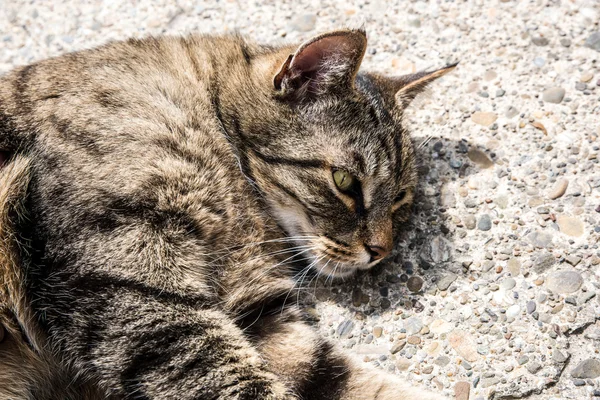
x,y
154,194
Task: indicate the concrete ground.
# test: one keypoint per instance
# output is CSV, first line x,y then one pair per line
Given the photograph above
x,y
494,284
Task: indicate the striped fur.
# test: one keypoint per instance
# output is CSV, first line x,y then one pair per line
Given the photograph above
x,y
28,370
168,185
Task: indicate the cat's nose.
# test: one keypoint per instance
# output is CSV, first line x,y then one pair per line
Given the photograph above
x,y
377,252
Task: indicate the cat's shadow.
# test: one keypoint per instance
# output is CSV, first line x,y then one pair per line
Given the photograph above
x,y
425,254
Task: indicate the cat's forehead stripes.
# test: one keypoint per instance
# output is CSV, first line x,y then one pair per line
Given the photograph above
x,y
359,161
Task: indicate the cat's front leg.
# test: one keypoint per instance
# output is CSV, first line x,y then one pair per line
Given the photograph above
x,y
367,383
161,347
315,369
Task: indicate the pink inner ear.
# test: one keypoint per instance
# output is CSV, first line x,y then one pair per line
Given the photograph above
x,y
317,54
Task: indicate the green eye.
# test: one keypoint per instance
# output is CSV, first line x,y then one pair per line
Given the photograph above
x,y
343,180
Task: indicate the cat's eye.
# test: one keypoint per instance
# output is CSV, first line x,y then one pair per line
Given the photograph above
x,y
343,180
401,196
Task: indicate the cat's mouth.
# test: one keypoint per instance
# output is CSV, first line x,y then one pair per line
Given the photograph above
x,y
332,268
338,261
326,255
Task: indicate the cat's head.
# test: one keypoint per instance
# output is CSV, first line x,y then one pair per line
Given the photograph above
x,y
331,156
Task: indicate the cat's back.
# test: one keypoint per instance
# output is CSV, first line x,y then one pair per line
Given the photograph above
x,y
166,81
126,132
114,110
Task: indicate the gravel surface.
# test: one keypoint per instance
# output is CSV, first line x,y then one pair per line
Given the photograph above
x,y
493,290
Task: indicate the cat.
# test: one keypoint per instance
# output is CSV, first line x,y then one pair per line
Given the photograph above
x,y
156,194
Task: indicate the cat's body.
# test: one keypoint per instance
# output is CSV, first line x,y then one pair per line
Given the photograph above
x,y
162,211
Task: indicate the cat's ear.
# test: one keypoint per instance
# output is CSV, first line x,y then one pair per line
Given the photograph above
x,y
405,88
323,64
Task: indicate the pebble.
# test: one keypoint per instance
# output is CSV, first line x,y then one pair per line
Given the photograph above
x,y
514,266
447,197
511,112
490,75
398,346
531,306
463,344
571,226
344,328
559,357
489,382
544,262
587,369
445,280
413,325
581,86
513,311
485,223
438,250
501,201
542,297
377,331
553,95
484,118
403,364
559,189
565,42
585,297
471,203
304,23
462,390
357,297
454,163
470,221
564,282
540,41
413,340
571,300
540,239
440,327
480,158
414,284
539,62
572,259
385,304
586,76
508,284
442,361
593,41
534,367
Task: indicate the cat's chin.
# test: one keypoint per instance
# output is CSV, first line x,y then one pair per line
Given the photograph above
x,y
336,269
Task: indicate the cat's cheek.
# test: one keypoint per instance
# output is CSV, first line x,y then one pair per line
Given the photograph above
x,y
292,219
333,270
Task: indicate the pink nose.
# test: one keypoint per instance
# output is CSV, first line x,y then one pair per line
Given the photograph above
x,y
377,252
